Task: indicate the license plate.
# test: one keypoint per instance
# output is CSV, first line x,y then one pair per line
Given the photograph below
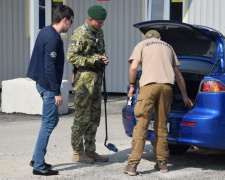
x,y
151,126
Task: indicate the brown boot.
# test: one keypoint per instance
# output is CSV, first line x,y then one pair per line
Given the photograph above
x,y
161,166
82,158
131,169
97,157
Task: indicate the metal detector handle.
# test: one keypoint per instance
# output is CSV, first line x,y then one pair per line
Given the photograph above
x,y
104,86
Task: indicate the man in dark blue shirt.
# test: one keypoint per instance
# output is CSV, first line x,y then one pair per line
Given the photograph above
x,y
46,68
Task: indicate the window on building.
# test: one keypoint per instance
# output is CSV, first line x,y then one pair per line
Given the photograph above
x,y
176,7
54,4
41,14
164,9
44,19
157,9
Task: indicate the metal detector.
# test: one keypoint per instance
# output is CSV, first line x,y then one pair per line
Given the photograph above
x,y
110,146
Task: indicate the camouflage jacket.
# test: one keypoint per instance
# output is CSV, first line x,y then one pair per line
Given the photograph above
x,y
83,49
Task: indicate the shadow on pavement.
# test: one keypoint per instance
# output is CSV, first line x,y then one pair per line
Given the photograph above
x,y
175,162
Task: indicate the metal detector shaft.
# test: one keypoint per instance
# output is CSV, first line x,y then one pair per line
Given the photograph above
x,y
110,146
105,101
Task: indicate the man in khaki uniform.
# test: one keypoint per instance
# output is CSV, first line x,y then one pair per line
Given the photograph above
x,y
159,69
87,52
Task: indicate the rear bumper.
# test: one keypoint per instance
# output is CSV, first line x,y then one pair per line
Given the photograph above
x,y
208,132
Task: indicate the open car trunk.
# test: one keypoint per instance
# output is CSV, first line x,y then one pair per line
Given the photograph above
x,y
186,39
196,48
192,81
193,73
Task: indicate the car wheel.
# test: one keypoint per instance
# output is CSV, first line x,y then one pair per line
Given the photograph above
x,y
176,149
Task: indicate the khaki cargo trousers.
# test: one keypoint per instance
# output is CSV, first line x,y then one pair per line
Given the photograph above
x,y
158,96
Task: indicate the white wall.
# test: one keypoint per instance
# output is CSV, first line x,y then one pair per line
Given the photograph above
x,y
14,45
120,38
206,12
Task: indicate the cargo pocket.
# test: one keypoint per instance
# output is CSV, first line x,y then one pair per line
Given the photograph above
x,y
141,106
168,96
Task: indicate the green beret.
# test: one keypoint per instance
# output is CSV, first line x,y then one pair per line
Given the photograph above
x,y
97,12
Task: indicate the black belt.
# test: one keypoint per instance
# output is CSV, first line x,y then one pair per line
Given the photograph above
x,y
87,69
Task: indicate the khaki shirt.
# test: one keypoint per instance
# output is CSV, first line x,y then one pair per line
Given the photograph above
x,y
157,59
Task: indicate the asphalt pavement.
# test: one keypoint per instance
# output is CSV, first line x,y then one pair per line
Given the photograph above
x,y
18,135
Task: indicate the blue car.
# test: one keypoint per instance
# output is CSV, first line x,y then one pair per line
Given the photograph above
x,y
200,51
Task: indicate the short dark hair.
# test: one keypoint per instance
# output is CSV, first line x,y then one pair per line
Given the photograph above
x,y
60,12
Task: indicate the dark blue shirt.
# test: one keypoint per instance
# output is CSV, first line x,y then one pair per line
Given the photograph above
x,y
47,60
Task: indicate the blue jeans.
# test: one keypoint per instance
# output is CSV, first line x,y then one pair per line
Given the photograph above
x,y
50,119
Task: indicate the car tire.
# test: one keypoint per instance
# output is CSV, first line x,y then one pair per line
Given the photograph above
x,y
176,149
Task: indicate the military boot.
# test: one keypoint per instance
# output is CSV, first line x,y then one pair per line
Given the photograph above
x,y
161,166
131,169
97,157
82,158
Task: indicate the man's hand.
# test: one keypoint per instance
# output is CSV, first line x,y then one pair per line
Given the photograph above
x,y
58,100
99,64
105,60
131,91
188,103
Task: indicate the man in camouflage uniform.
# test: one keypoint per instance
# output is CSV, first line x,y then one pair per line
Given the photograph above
x,y
87,52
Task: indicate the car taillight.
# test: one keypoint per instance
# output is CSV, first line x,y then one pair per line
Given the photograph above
x,y
128,116
188,123
212,86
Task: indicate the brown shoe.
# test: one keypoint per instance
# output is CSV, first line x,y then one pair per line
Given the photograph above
x,y
97,157
82,158
130,169
161,166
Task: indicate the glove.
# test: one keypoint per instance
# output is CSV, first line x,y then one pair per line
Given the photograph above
x,y
99,64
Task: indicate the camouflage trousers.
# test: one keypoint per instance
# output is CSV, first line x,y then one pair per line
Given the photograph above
x,y
87,103
158,96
